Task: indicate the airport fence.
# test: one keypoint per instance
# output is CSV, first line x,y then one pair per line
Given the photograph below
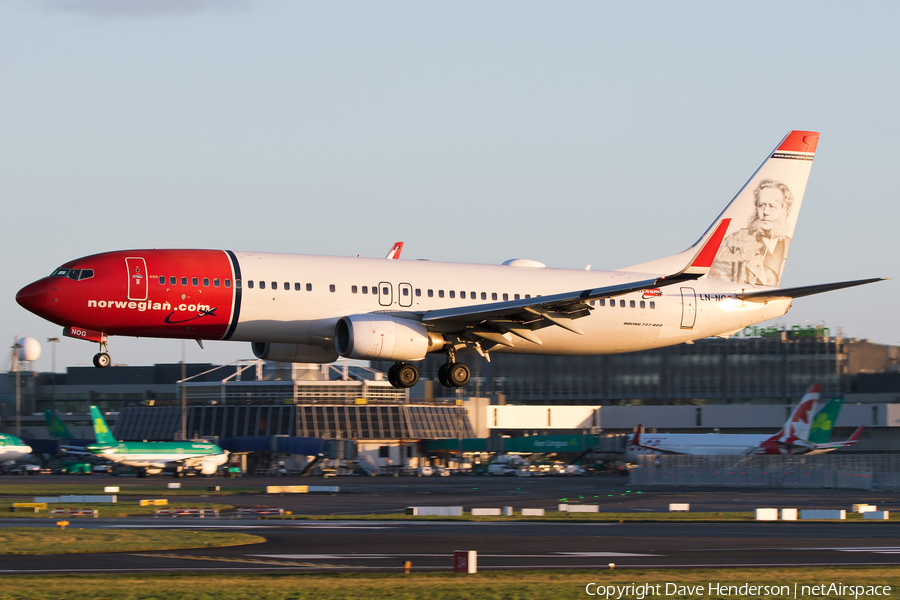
x,y
849,471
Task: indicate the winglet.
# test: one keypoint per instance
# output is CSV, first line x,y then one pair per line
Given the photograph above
x,y
853,438
395,250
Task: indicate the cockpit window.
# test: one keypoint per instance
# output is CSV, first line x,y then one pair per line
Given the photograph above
x,y
74,274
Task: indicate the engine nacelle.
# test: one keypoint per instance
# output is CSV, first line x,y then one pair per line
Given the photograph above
x,y
208,467
296,353
383,337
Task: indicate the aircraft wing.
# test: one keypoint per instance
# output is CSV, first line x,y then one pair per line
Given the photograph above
x,y
799,292
522,317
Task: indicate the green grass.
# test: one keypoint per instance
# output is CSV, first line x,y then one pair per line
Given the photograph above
x,y
155,490
71,540
493,585
119,509
562,517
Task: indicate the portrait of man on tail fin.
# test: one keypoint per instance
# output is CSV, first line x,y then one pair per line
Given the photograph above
x,y
757,253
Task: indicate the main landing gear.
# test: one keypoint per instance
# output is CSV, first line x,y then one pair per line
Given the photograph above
x,y
452,373
102,359
403,375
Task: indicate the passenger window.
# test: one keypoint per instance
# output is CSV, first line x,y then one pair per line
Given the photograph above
x,y
528,295
631,303
505,297
462,295
162,280
206,282
612,303
406,291
274,285
215,283
652,304
308,287
365,289
516,297
440,293
621,304
591,303
494,296
249,283
643,304
472,295
602,301
418,292
262,285
385,291
173,280
452,294
353,289
287,286
296,287
184,281
484,295
228,283
431,293
331,288
194,281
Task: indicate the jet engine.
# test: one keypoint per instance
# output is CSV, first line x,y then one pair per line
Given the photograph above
x,y
208,467
383,337
296,353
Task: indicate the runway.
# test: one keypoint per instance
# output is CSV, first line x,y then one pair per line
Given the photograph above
x,y
385,546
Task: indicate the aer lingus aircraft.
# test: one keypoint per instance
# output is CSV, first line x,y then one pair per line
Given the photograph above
x,y
12,449
152,457
298,308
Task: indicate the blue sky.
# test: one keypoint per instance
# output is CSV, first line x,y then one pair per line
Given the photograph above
x,y
570,133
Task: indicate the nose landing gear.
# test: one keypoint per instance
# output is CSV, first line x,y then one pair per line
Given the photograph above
x,y
102,358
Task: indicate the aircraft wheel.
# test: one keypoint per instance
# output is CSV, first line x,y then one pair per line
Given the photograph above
x,y
406,375
442,375
392,375
458,374
102,360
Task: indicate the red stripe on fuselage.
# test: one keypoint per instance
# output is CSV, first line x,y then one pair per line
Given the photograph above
x,y
193,311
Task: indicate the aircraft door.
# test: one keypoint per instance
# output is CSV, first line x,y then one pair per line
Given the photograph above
x,y
385,293
404,294
688,308
137,278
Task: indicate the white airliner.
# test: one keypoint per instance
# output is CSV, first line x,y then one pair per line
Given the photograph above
x,y
297,308
12,449
793,438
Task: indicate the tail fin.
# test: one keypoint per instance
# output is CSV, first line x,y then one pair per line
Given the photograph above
x,y
762,217
101,431
55,426
823,422
798,424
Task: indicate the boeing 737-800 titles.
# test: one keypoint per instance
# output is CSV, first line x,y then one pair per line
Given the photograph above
x,y
298,308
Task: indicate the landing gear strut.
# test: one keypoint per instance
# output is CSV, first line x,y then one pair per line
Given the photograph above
x,y
452,373
403,375
102,359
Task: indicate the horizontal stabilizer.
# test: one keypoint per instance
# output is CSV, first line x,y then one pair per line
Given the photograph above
x,y
799,292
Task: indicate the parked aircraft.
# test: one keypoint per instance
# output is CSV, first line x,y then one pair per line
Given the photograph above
x,y
12,449
793,438
297,308
152,457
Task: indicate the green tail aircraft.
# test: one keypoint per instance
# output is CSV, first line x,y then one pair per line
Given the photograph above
x,y
152,457
823,423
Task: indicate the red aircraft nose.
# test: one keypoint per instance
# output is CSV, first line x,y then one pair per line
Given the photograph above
x,y
33,297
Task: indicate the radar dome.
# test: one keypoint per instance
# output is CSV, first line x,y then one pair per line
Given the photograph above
x,y
29,349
